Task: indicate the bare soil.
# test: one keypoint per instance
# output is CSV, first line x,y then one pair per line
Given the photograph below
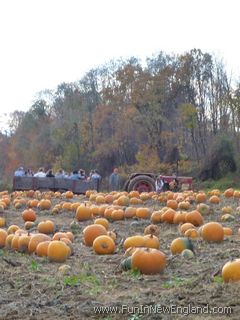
x,y
33,288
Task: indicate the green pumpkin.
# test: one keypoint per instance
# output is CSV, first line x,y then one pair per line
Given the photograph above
x,y
126,264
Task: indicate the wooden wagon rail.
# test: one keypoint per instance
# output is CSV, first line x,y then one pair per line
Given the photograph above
x,y
54,184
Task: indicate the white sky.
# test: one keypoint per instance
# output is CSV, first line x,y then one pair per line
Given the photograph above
x,y
47,42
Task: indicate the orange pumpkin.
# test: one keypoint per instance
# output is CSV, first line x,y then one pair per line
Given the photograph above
x,y
103,221
214,199
143,213
227,231
58,251
201,197
194,217
191,233
117,214
156,216
168,215
229,193
44,204
42,249
148,260
151,241
212,232
104,245
180,244
83,213
134,241
231,271
3,237
91,232
171,203
35,240
23,242
130,212
29,215
123,201
69,194
46,227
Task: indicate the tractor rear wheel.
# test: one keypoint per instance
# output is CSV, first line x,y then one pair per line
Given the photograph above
x,y
142,184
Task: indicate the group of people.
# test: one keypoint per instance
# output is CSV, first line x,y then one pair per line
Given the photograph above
x,y
114,180
41,173
162,185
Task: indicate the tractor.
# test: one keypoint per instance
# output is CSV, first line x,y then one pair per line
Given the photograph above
x,y
145,182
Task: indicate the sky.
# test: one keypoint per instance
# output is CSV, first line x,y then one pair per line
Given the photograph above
x,y
47,42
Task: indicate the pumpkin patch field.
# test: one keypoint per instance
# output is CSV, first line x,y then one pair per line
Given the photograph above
x,y
120,255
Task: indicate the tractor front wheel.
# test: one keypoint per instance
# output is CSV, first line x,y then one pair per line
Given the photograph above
x,y
142,184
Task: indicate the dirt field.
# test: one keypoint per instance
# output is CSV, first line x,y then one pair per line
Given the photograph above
x,y
32,288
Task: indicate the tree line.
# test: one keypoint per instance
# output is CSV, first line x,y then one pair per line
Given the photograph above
x,y
173,112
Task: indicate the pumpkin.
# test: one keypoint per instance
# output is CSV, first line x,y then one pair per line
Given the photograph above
x,y
3,237
67,206
23,242
70,235
191,233
134,241
123,201
231,271
212,232
134,194
168,215
103,221
109,198
227,217
117,214
35,240
83,213
12,229
44,204
148,260
69,194
104,245
179,217
187,254
42,249
91,232
227,231
130,212
171,203
203,208
179,244
135,200
2,222
59,235
108,212
29,224
126,264
201,197
58,251
184,205
68,243
46,227
214,199
156,216
152,229
14,243
29,215
143,213
100,199
151,241
112,234
229,193
194,217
